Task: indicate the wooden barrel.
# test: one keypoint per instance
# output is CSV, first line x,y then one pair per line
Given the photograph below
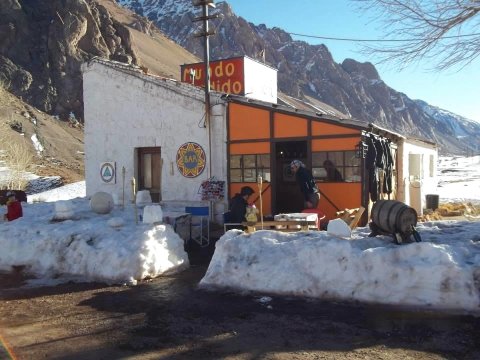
x,y
394,217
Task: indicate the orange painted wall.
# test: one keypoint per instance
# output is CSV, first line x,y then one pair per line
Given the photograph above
x,y
289,126
321,128
266,196
334,144
248,123
250,148
343,195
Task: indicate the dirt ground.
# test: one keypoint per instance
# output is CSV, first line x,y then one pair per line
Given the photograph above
x,y
170,318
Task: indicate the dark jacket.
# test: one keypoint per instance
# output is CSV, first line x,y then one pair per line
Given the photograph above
x,y
238,208
370,164
334,175
306,181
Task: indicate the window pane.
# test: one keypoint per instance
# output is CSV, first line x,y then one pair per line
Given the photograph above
x,y
336,157
319,173
235,161
249,161
350,159
318,158
249,175
263,161
352,174
235,175
265,174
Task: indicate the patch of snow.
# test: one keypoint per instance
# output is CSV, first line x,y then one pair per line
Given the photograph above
x,y
309,65
36,144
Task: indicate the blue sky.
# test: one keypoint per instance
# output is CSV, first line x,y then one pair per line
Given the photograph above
x,y
453,90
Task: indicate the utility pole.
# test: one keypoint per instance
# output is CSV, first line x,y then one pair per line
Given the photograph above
x,y
205,4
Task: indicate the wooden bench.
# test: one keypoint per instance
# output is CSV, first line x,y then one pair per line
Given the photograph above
x,y
285,226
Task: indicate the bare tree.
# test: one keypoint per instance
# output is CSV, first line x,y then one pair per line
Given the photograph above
x,y
444,32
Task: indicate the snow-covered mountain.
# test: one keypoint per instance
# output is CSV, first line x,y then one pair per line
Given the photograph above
x,y
466,130
308,71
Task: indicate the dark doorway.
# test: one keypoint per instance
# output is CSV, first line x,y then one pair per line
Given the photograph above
x,y
150,171
288,198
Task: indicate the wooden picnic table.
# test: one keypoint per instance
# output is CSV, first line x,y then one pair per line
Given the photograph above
x,y
281,225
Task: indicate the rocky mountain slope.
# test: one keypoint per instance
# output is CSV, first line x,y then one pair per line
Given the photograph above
x,y
36,142
42,46
306,70
463,128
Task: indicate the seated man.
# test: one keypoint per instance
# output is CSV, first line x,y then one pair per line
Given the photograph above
x,y
238,205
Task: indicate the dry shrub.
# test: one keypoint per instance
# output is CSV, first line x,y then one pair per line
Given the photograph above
x,y
445,210
431,216
459,209
16,156
472,210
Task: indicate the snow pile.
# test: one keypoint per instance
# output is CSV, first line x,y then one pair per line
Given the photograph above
x,y
443,271
64,210
92,247
70,191
152,214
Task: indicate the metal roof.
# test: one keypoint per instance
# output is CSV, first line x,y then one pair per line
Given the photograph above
x,y
291,110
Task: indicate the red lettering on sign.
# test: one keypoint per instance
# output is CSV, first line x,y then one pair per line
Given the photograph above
x,y
225,75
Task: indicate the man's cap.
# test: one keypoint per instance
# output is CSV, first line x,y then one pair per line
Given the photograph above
x,y
246,190
296,163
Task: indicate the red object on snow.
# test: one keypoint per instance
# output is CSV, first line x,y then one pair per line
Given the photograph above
x,y
14,210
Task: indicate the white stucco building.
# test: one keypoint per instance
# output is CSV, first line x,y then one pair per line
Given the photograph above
x,y
137,123
417,174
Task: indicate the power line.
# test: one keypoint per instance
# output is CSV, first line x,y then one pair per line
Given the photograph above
x,y
375,40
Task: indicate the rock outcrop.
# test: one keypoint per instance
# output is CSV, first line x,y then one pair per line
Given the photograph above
x,y
43,44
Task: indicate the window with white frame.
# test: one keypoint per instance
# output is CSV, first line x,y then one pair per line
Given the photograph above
x,y
336,166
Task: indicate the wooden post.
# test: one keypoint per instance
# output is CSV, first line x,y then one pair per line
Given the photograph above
x,y
160,186
123,187
134,199
261,202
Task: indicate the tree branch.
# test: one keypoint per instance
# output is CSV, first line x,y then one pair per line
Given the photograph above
x,y
444,31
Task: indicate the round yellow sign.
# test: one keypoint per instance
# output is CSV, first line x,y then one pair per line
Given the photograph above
x,y
191,159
